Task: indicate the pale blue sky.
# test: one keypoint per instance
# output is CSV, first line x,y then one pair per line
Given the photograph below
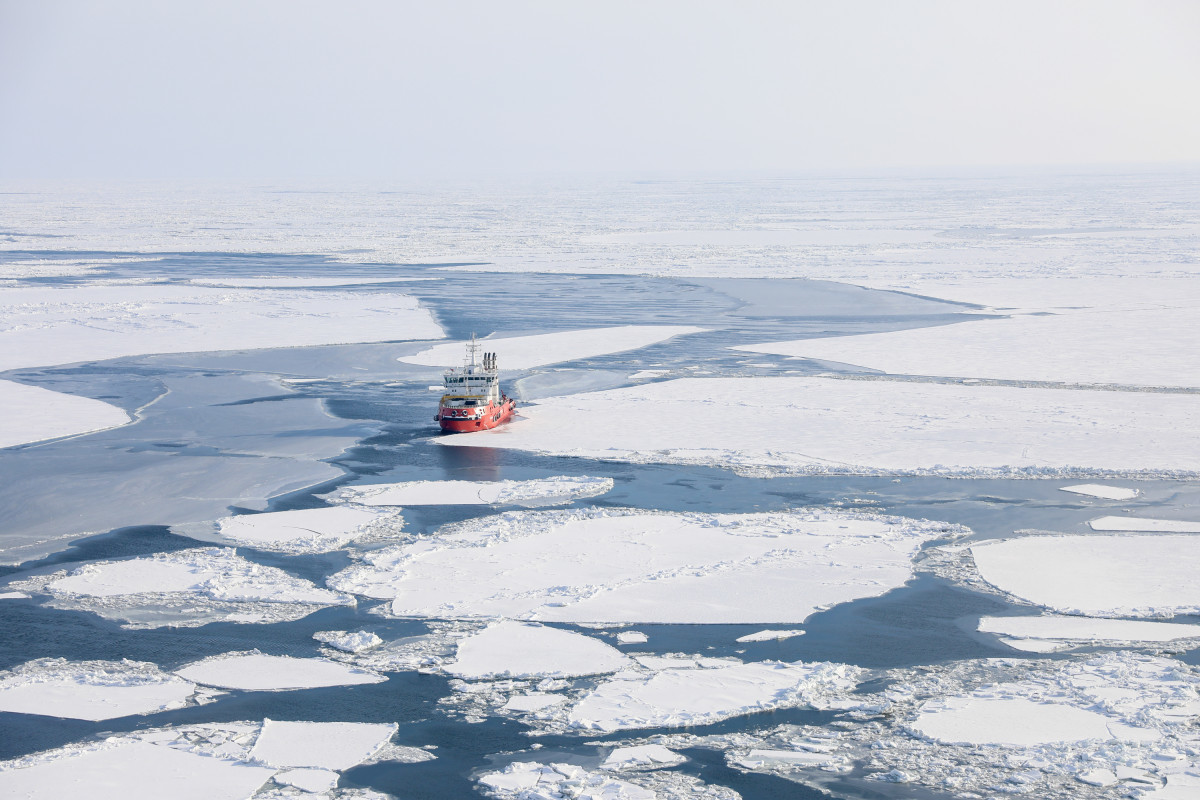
x,y
385,90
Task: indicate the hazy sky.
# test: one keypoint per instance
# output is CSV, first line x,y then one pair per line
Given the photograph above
x,y
287,89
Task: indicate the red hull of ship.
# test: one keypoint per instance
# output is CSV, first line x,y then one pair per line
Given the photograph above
x,y
492,416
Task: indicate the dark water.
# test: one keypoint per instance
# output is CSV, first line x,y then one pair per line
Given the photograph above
x,y
927,621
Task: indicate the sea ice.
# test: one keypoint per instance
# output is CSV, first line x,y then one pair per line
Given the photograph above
x,y
631,637
540,492
325,745
1062,629
185,588
684,697
1009,720
1090,348
133,770
31,414
768,635
645,755
1108,576
1144,524
91,690
310,530
1103,492
64,325
309,779
348,642
520,650
257,672
1036,727
623,566
532,780
863,426
527,352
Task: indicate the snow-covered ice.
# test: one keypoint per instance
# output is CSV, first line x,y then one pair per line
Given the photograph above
x,y
257,672
309,779
1009,720
185,588
631,637
348,642
1134,524
533,780
527,352
133,770
64,325
769,635
622,566
327,745
644,755
539,492
309,530
1110,576
91,690
1028,632
1101,491
683,697
522,650
1088,348
31,414
863,426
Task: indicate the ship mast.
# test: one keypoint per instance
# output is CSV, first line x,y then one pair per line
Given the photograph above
x,y
471,350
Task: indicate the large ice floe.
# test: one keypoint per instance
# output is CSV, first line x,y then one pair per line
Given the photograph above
x,y
526,352
617,566
1101,491
64,325
309,530
185,588
520,650
1114,725
1015,349
31,414
1134,524
822,425
91,690
1148,575
673,698
1049,632
538,492
258,672
213,761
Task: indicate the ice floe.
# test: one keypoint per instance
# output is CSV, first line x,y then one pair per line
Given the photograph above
x,y
210,761
1149,575
64,325
520,650
348,642
1101,491
309,530
685,697
257,672
184,588
1033,633
532,780
526,352
134,770
769,635
31,414
631,637
327,745
646,755
1048,729
1082,348
823,425
623,566
539,492
91,690
1134,524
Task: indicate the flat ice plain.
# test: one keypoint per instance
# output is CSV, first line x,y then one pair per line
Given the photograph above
x,y
880,487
